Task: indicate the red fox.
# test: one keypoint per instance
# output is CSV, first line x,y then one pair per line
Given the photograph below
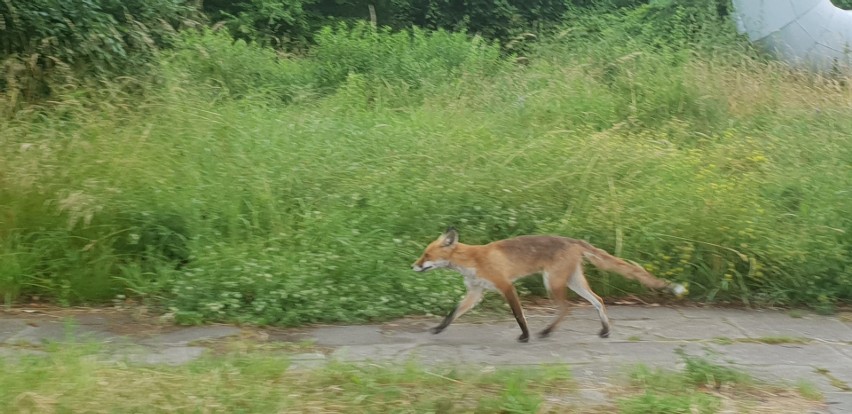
x,y
496,265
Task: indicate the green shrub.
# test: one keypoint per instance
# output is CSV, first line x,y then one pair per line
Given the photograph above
x,y
415,58
234,68
844,4
275,23
282,284
49,45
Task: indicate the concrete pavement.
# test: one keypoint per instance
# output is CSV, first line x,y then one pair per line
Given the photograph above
x,y
773,345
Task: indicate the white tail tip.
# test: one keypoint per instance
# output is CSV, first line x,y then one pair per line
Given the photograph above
x,y
678,289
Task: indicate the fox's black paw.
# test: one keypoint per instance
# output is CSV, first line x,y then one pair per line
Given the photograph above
x,y
545,333
524,338
604,333
436,330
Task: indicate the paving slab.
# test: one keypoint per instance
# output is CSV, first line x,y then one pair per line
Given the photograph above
x,y
814,355
711,312
839,403
10,328
175,355
14,354
354,335
661,354
763,324
642,313
36,333
651,335
844,348
692,330
185,336
374,352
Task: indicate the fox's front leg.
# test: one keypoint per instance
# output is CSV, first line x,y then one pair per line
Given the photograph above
x,y
470,300
511,296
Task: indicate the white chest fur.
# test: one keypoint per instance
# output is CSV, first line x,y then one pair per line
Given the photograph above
x,y
472,281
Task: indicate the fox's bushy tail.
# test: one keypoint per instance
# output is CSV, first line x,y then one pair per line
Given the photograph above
x,y
605,261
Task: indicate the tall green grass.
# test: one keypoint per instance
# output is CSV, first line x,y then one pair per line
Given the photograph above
x,y
250,187
76,378
245,376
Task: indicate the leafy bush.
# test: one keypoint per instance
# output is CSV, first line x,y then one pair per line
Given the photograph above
x,y
276,23
358,57
843,4
493,20
293,285
292,23
234,68
46,42
414,58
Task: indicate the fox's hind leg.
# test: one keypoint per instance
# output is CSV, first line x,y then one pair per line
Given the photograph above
x,y
556,281
578,284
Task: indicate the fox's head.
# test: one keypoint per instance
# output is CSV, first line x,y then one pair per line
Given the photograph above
x,y
437,254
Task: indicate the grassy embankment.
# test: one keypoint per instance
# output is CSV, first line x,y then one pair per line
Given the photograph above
x,y
245,186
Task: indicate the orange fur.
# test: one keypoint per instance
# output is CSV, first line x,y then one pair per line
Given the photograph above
x,y
495,266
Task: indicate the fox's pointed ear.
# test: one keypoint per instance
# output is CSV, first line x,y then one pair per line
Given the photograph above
x,y
450,237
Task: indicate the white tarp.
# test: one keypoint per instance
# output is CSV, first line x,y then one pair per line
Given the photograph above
x,y
810,33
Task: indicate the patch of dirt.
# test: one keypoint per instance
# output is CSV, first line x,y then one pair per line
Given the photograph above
x,y
133,322
770,402
259,341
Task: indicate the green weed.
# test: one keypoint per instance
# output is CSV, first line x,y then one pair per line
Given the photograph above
x,y
651,402
772,340
75,378
835,382
701,372
796,313
809,391
706,387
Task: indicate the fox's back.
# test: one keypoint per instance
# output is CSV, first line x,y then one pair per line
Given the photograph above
x,y
536,251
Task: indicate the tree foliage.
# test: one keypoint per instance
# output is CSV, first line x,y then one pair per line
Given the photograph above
x,y
92,36
278,23
47,44
843,4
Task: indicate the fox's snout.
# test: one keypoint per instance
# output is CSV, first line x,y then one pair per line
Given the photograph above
x,y
423,265
437,254
420,266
